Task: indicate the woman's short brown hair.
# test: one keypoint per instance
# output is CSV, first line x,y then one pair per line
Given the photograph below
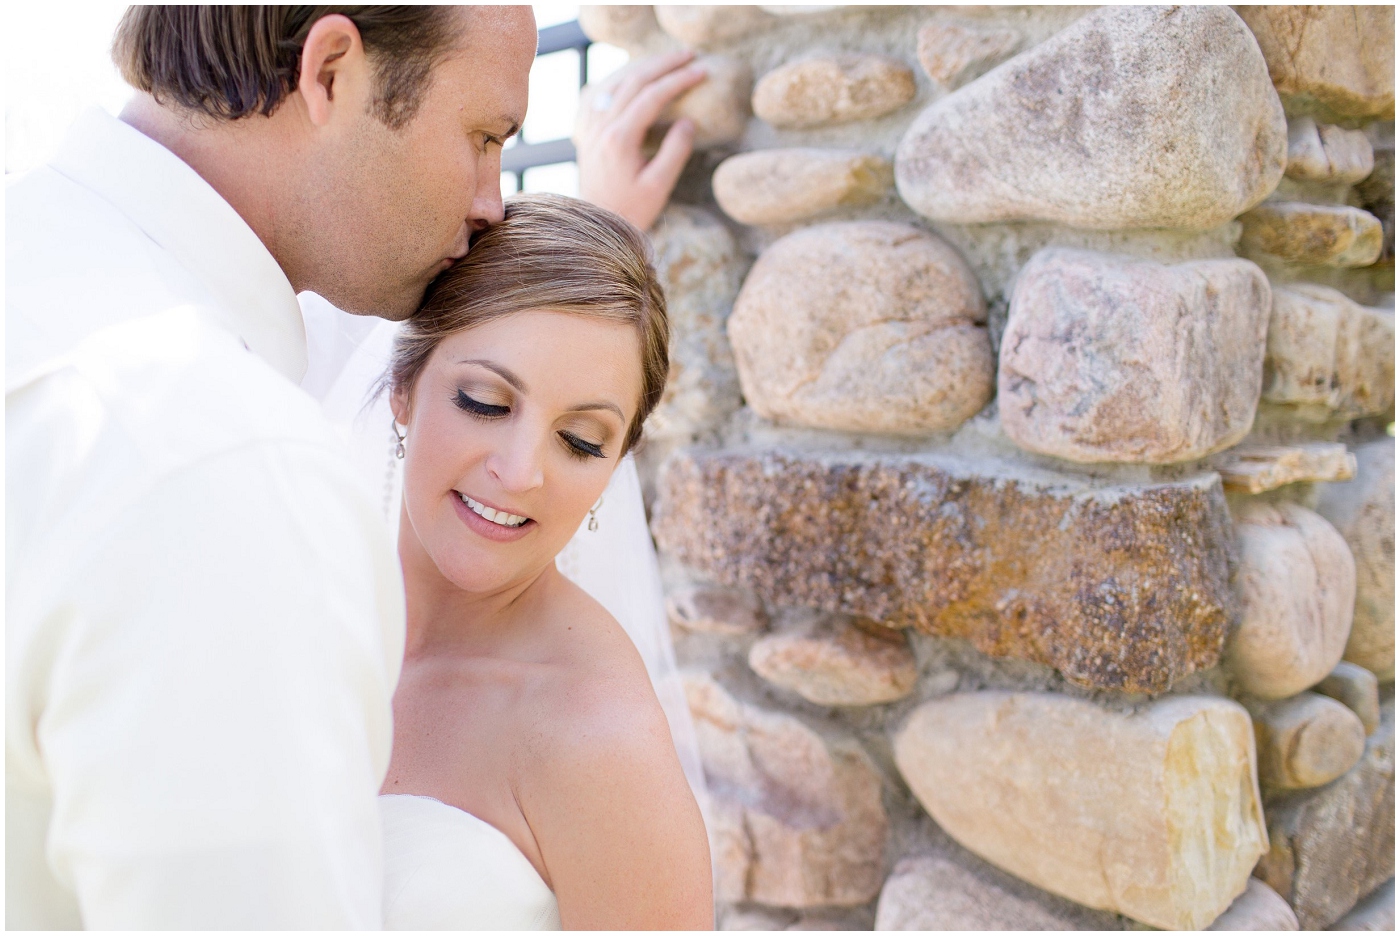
x,y
228,62
549,253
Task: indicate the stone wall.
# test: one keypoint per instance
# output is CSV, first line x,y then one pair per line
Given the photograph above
x,y
1023,484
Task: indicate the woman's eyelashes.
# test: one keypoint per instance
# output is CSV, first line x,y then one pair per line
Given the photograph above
x,y
478,408
579,448
573,444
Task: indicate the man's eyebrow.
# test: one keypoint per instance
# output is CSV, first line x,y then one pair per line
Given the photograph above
x,y
505,373
603,405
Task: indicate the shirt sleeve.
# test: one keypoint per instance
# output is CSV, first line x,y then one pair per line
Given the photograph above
x,y
218,718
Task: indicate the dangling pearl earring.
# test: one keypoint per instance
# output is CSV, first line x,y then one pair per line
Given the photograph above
x,y
593,516
398,445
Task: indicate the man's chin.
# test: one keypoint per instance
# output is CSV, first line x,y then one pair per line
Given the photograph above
x,y
394,308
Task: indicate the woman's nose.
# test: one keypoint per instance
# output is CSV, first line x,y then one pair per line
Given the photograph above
x,y
518,466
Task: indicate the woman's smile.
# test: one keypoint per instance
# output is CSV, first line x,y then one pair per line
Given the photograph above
x,y
497,525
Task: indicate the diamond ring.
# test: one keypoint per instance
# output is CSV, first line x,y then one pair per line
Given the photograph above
x,y
602,100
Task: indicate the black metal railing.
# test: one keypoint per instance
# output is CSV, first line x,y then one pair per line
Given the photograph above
x,y
525,154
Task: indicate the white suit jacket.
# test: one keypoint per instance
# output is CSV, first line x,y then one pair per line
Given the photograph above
x,y
204,611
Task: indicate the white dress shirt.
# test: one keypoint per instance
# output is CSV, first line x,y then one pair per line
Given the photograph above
x,y
204,611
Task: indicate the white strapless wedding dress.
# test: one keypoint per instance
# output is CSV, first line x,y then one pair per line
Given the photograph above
x,y
445,869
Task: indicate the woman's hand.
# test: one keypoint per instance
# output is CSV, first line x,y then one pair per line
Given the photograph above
x,y
613,120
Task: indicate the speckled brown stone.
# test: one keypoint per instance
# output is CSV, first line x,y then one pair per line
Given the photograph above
x,y
1123,587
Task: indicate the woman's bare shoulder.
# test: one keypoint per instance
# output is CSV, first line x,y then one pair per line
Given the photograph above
x,y
601,693
605,795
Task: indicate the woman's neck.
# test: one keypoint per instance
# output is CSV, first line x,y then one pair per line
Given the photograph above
x,y
442,616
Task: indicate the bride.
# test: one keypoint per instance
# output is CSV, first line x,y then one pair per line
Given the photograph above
x,y
533,782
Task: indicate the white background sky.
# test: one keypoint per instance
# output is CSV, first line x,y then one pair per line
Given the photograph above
x,y
57,64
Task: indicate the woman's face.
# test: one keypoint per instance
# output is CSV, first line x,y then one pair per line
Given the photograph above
x,y
513,430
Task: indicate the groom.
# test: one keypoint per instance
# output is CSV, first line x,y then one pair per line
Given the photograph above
x,y
204,615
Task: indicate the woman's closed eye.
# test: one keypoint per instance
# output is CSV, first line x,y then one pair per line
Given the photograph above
x,y
478,408
580,448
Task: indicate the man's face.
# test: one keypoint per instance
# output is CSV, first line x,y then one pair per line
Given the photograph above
x,y
391,209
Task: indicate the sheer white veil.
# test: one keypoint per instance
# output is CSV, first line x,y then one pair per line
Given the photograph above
x,y
616,564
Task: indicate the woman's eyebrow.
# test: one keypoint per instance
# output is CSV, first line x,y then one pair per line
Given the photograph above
x,y
501,371
601,405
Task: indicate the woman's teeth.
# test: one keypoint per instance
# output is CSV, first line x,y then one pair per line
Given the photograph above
x,y
499,517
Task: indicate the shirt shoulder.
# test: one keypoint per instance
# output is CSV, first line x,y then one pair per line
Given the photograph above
x,y
76,264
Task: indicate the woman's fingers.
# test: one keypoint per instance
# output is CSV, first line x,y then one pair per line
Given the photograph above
x,y
664,170
624,85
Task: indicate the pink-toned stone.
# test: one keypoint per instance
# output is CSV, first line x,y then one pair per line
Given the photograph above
x,y
784,185
950,53
1118,121
834,89
1113,359
1327,355
1297,584
800,822
863,326
714,609
832,661
1363,511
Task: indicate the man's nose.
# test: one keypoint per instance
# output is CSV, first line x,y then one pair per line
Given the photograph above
x,y
487,205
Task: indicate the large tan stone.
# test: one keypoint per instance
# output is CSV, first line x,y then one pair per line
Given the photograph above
x,y
1306,741
1117,586
931,892
865,326
951,53
1254,468
1363,511
830,660
625,26
1331,846
1355,687
835,89
1341,56
718,106
1258,909
1327,354
701,269
706,25
1327,153
1109,358
1297,584
1154,814
1299,232
785,185
1118,121
801,822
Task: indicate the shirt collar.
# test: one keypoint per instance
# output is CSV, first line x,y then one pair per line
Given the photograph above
x,y
182,213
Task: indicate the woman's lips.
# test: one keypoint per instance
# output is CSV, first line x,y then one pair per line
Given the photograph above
x,y
492,531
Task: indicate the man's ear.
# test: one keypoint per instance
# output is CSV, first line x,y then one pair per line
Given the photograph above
x,y
335,73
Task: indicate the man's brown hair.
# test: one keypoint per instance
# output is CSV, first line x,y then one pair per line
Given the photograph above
x,y
550,253
229,62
